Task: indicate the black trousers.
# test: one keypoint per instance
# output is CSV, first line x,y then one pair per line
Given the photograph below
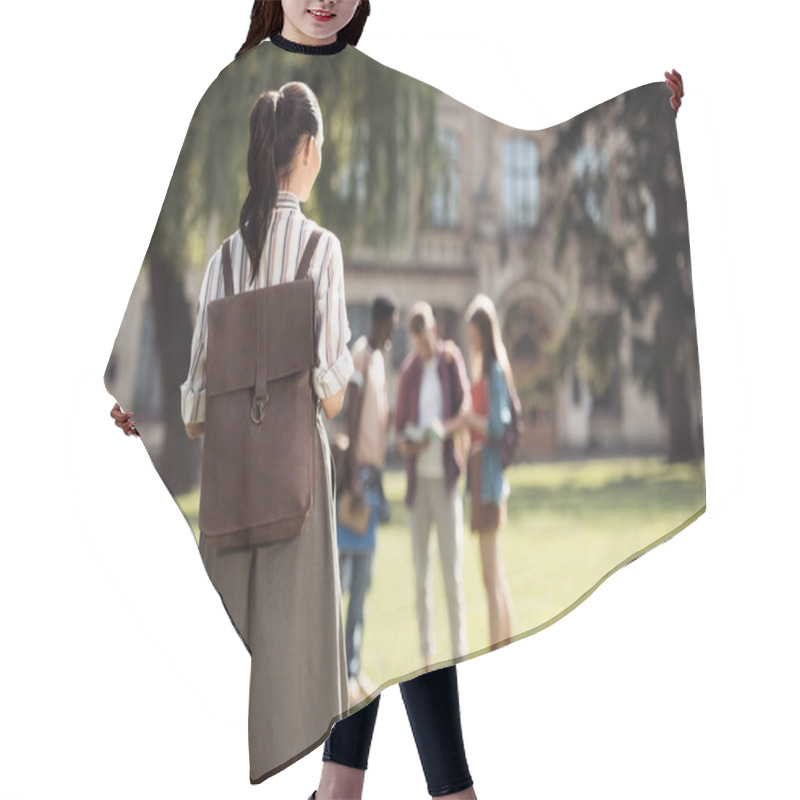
x,y
431,701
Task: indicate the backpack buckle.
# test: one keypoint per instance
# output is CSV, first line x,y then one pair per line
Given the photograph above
x,y
257,409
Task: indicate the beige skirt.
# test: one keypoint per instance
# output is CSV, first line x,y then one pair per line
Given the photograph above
x,y
484,517
284,600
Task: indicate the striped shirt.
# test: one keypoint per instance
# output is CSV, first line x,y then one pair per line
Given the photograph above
x,y
287,235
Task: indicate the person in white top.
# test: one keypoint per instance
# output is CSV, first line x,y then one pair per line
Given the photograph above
x,y
367,421
432,399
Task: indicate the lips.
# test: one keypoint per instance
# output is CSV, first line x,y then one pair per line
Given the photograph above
x,y
322,16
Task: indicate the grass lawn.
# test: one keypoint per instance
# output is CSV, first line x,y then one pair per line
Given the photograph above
x,y
569,525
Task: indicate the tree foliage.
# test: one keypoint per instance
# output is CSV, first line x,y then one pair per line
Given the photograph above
x,y
646,179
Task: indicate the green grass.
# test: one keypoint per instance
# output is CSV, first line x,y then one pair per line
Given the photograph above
x,y
569,525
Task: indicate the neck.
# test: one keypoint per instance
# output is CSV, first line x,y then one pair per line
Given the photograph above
x,y
377,339
294,34
296,186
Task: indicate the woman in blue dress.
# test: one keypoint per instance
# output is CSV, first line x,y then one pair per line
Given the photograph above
x,y
487,484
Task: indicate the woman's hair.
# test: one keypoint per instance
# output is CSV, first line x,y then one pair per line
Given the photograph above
x,y
279,122
266,19
482,314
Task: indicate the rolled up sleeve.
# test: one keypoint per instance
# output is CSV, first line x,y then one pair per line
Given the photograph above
x,y
335,360
193,404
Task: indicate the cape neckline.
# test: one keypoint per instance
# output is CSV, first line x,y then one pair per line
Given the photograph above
x,y
310,49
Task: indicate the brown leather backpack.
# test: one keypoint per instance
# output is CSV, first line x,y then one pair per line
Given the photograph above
x,y
258,463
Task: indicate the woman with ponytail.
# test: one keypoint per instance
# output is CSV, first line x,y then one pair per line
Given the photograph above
x,y
284,597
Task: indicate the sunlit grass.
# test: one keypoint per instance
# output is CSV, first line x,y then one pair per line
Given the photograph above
x,y
569,525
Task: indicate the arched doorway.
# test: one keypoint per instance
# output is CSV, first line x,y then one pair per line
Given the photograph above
x,y
529,327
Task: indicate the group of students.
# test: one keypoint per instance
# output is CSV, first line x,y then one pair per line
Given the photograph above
x,y
436,406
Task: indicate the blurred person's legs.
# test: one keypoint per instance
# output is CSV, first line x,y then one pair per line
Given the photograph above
x,y
420,517
357,564
432,705
449,513
346,569
497,592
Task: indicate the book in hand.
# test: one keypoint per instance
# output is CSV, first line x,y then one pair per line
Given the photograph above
x,y
434,430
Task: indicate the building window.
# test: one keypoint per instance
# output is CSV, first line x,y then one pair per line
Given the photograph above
x,y
520,182
592,177
445,206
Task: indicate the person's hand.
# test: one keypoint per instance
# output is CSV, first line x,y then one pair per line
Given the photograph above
x,y
675,83
356,486
406,447
418,447
442,429
473,420
357,492
124,420
195,429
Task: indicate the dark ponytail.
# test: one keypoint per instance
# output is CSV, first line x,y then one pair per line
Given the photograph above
x,y
266,19
279,122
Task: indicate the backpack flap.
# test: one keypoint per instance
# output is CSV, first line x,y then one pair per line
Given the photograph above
x,y
288,309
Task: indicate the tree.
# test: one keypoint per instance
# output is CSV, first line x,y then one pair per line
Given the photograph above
x,y
646,181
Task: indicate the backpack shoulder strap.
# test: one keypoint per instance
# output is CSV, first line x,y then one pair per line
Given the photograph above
x,y
302,271
305,261
227,272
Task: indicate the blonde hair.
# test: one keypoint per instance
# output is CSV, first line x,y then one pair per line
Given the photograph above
x,y
482,313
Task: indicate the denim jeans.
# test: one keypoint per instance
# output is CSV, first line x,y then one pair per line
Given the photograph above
x,y
355,574
431,701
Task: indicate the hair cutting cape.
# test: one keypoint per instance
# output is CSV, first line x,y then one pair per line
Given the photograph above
x,y
577,232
